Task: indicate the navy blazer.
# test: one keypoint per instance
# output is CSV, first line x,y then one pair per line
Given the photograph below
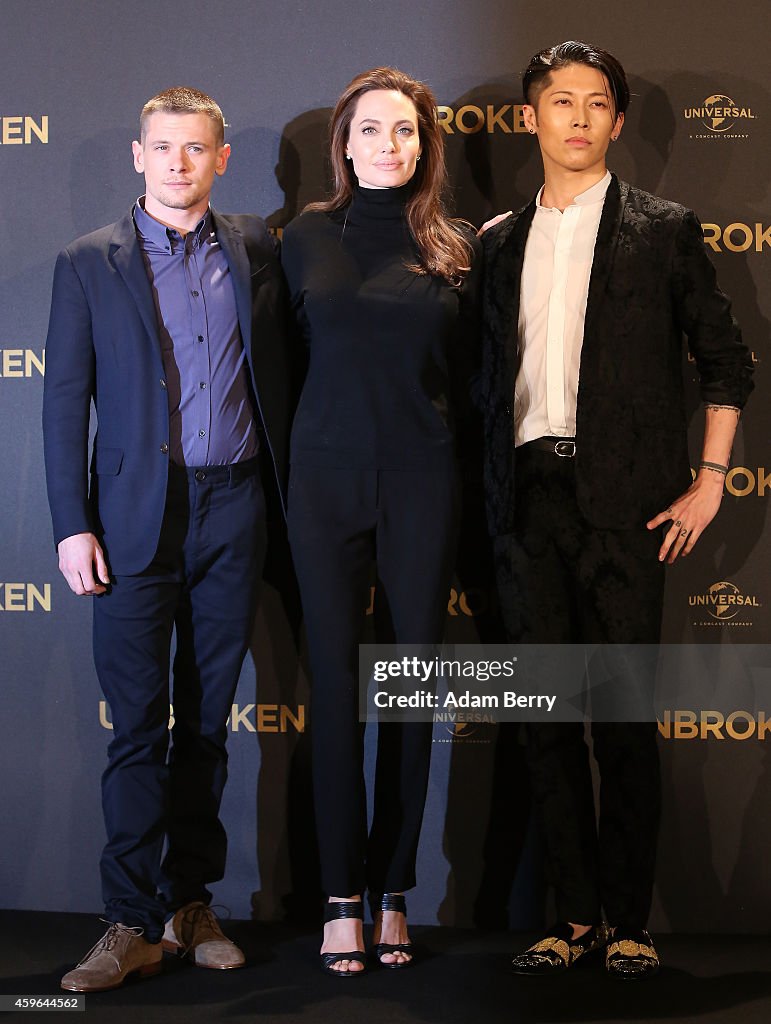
x,y
103,346
651,282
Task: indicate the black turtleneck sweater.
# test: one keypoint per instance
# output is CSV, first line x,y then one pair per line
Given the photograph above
x,y
390,351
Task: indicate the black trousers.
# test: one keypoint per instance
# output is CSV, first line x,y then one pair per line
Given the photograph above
x,y
339,522
203,582
563,581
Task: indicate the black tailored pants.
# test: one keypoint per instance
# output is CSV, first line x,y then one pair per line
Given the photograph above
x,y
340,521
203,583
563,581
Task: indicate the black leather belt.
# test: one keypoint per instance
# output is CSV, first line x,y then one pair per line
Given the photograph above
x,y
565,447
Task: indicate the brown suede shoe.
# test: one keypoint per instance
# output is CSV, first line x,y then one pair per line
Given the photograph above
x,y
194,931
120,951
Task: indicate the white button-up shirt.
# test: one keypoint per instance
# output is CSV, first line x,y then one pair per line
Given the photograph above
x,y
552,307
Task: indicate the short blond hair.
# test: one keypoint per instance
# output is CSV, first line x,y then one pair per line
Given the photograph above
x,y
182,99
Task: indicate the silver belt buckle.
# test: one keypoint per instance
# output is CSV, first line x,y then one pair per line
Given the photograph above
x,y
565,449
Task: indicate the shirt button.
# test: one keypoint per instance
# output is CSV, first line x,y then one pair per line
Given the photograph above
x,y
164,448
194,293
202,433
200,338
203,385
200,476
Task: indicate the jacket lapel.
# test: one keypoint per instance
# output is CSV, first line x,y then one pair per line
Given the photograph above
x,y
506,286
126,257
605,250
238,261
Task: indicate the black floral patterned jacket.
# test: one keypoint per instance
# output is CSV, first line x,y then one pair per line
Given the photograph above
x,y
651,283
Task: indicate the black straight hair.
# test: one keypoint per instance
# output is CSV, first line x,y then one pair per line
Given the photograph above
x,y
537,74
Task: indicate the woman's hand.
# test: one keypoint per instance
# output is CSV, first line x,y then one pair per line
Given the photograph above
x,y
491,223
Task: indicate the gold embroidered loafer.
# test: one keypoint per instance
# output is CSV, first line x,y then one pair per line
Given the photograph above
x,y
558,950
630,954
195,932
121,951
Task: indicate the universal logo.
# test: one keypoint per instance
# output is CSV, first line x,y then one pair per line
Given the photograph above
x,y
23,130
720,115
725,604
463,727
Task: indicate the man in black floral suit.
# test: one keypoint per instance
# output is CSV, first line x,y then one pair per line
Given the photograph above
x,y
589,290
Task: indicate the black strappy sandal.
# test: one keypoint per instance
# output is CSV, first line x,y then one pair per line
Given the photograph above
x,y
337,912
390,901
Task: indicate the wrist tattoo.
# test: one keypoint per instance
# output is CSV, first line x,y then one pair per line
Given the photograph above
x,y
714,467
713,407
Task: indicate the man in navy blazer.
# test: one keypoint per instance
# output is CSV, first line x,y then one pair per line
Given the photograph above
x,y
171,321
589,290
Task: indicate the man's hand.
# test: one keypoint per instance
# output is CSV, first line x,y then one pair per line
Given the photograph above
x,y
491,223
79,555
691,514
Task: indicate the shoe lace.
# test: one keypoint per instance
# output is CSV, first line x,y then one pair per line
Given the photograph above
x,y
110,939
199,924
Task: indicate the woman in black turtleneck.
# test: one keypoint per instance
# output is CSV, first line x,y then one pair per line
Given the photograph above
x,y
383,288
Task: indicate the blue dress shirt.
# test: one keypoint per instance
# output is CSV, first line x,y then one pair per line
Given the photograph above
x,y
211,411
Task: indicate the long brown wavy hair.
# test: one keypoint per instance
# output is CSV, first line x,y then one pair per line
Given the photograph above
x,y
441,244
